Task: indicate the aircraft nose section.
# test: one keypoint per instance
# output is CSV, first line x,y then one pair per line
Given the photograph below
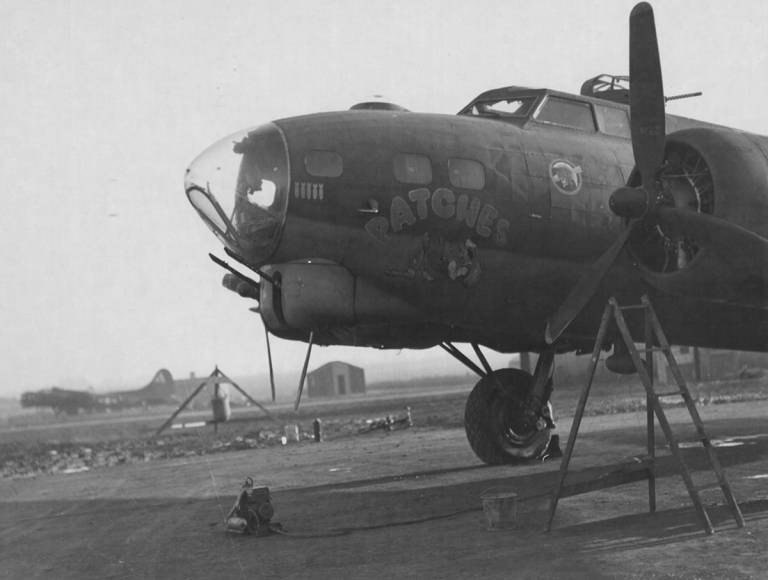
x,y
239,188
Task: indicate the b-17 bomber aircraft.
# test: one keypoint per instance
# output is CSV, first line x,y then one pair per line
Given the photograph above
x,y
506,226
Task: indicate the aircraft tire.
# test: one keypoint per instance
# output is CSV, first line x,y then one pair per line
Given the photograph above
x,y
489,419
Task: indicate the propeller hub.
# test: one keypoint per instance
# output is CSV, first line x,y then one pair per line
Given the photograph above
x,y
630,202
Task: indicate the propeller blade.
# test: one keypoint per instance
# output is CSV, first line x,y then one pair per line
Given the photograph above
x,y
732,263
647,124
742,251
708,230
646,94
584,289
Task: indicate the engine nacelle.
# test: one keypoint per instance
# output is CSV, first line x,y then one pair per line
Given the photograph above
x,y
727,170
720,172
325,296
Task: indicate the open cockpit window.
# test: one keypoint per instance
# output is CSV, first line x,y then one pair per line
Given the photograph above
x,y
500,108
239,187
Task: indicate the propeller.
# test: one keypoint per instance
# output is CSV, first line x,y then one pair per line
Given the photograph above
x,y
735,268
647,124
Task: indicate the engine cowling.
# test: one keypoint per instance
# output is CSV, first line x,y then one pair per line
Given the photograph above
x,y
720,172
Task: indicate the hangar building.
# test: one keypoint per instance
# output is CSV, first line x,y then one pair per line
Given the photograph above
x,y
335,379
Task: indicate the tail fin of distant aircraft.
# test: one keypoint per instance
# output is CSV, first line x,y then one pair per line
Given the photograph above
x,y
163,377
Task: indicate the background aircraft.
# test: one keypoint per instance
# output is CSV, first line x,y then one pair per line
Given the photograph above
x,y
66,401
507,226
163,389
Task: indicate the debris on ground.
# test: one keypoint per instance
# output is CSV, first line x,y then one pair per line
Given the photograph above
x,y
389,423
19,459
87,447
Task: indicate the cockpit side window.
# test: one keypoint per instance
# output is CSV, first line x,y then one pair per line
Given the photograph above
x,y
567,113
614,121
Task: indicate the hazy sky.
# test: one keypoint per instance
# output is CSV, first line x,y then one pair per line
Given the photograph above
x,y
105,274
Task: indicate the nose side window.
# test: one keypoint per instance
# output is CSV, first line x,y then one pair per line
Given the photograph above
x,y
412,168
466,174
323,164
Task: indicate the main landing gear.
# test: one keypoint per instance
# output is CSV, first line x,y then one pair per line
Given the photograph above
x,y
508,417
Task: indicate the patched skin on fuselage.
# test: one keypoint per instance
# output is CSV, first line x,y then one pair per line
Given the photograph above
x,y
442,203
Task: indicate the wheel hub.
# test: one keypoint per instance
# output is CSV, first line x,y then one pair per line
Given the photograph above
x,y
517,421
501,424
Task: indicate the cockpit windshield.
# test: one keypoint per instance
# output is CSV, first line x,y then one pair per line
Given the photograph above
x,y
239,187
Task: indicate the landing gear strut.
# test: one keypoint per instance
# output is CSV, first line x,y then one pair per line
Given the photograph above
x,y
508,417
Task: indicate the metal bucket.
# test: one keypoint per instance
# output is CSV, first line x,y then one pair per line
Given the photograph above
x,y
500,509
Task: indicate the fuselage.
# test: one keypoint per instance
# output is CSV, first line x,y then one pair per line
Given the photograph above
x,y
429,227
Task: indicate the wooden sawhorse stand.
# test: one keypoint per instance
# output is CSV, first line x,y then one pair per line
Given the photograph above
x,y
214,378
653,335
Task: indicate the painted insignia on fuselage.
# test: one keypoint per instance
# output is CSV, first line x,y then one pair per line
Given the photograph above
x,y
565,176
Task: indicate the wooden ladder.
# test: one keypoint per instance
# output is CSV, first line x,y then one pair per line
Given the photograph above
x,y
654,335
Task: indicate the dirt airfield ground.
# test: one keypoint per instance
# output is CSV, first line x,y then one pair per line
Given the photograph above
x,y
404,504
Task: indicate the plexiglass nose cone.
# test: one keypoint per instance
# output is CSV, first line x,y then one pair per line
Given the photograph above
x,y
239,187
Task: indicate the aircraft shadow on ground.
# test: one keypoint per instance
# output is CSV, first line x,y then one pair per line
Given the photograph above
x,y
644,530
390,501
